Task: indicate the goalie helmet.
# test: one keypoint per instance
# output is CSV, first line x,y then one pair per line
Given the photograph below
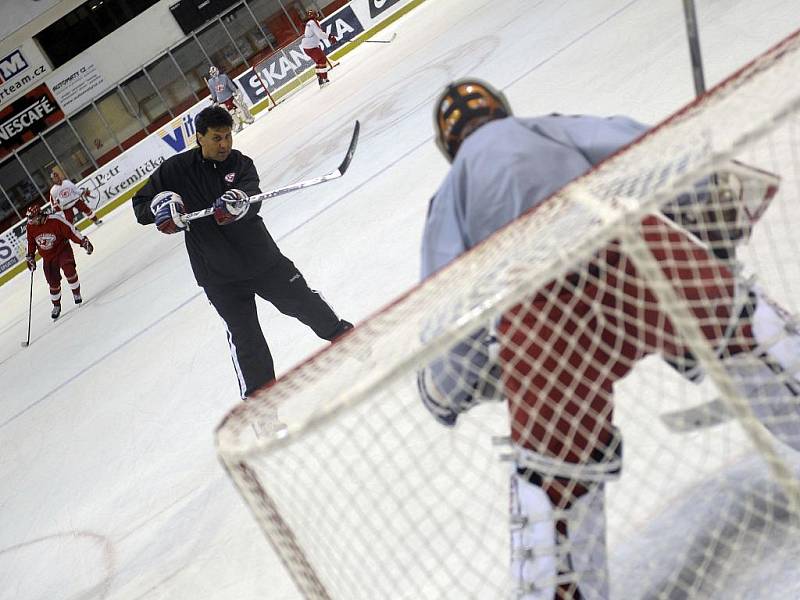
x,y
213,71
461,108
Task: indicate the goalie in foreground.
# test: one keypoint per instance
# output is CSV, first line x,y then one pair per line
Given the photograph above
x,y
556,356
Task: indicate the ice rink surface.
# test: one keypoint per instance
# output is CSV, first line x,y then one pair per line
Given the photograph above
x,y
109,483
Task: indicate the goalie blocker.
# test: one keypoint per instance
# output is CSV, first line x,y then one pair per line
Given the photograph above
x,y
563,350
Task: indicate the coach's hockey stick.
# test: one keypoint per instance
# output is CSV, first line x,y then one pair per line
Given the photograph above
x,y
389,41
295,186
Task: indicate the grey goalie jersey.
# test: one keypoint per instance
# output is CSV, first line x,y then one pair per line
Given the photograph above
x,y
506,167
221,87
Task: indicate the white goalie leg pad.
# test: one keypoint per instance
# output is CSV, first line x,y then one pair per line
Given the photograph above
x,y
541,558
534,566
767,377
238,100
537,553
586,520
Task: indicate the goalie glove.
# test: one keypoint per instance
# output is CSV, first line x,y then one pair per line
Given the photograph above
x,y
168,210
468,376
230,207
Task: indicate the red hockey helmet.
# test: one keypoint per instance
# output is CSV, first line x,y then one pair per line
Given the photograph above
x,y
34,212
461,108
311,14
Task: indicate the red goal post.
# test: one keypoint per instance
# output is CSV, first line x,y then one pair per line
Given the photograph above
x,y
363,495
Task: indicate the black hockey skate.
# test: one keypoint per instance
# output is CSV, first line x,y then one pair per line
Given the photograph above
x,y
77,298
56,312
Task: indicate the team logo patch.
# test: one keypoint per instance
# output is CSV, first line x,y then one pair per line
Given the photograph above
x,y
46,241
230,177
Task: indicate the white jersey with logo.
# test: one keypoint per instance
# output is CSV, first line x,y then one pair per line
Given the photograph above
x,y
313,35
65,196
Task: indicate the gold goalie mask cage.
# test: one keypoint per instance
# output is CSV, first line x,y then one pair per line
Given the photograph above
x,y
463,106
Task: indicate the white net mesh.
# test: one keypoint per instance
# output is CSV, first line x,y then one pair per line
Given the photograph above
x,y
618,301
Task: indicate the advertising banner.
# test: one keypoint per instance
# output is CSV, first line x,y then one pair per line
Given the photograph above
x,y
23,118
77,85
376,7
282,67
13,246
19,70
136,165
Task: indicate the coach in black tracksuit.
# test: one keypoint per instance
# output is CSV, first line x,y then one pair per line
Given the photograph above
x,y
233,256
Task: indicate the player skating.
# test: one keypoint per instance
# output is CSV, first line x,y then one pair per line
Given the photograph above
x,y
65,196
560,352
311,43
233,256
50,234
224,92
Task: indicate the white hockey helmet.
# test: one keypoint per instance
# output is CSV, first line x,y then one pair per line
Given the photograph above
x,y
213,71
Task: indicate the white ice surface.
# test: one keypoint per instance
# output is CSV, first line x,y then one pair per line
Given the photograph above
x,y
109,485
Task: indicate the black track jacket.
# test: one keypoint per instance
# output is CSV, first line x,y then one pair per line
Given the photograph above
x,y
240,250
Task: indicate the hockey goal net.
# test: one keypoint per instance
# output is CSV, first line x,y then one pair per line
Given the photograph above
x,y
658,287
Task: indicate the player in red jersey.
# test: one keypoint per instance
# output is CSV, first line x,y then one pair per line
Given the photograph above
x,y
68,198
50,235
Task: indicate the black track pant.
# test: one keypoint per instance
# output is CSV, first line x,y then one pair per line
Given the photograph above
x,y
283,286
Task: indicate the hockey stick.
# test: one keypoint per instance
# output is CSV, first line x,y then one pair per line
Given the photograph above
x,y
389,41
27,342
88,196
294,186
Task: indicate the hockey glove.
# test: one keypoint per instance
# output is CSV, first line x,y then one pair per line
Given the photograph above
x,y
87,245
437,403
469,375
31,260
168,210
332,39
230,207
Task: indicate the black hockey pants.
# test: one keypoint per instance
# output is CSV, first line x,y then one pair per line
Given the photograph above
x,y
284,286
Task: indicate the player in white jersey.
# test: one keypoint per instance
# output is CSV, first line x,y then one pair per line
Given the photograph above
x,y
66,197
313,36
224,92
559,353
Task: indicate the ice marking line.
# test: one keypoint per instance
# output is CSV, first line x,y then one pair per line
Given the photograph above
x,y
572,43
98,360
103,587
